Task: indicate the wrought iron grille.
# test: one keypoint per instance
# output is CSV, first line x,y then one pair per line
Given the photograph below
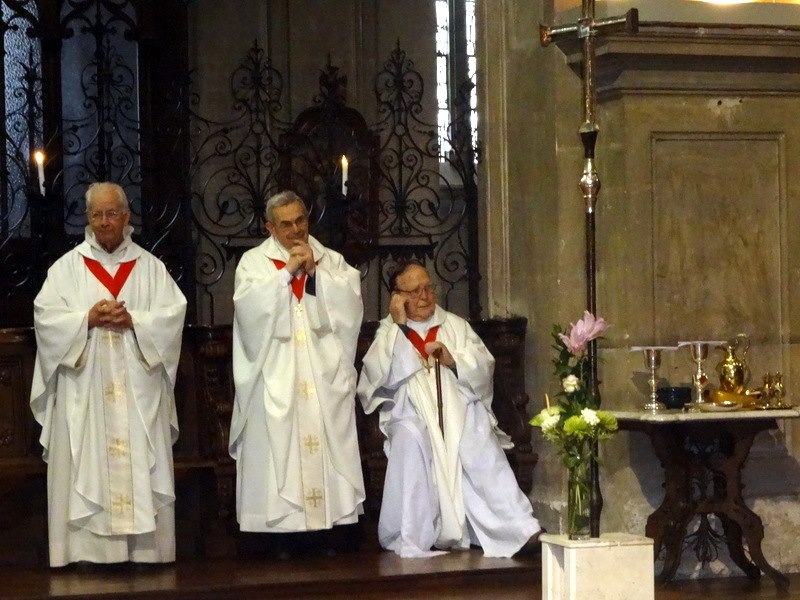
x,y
73,73
198,183
425,204
100,104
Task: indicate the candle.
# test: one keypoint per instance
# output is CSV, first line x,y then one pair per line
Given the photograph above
x,y
547,401
38,157
344,175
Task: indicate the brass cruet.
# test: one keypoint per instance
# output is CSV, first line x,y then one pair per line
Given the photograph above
x,y
734,374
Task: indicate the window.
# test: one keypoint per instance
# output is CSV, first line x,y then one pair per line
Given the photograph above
x,y
455,64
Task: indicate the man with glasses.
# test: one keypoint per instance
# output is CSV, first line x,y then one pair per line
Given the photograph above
x,y
448,482
297,315
108,321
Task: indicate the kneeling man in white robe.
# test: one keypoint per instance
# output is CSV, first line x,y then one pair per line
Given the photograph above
x,y
108,323
297,315
448,482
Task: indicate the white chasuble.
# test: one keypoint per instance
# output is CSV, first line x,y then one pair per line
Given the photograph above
x,y
106,404
444,488
293,431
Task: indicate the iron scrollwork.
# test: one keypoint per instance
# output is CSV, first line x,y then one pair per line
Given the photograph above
x,y
427,197
403,196
233,168
20,132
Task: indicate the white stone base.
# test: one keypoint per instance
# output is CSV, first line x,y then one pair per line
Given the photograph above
x,y
615,566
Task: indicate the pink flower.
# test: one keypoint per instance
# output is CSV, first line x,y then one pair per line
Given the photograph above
x,y
583,331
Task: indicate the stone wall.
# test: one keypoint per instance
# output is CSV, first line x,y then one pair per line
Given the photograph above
x,y
697,224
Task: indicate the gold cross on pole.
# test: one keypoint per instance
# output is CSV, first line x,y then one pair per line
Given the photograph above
x,y
587,29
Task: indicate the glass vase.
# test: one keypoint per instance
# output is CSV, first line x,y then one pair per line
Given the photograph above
x,y
578,497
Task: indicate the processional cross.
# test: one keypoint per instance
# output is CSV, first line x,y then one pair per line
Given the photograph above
x,y
587,29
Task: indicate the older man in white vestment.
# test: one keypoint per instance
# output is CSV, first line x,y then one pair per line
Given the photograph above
x,y
297,315
448,482
108,325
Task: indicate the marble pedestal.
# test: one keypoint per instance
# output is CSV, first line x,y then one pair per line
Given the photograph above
x,y
615,566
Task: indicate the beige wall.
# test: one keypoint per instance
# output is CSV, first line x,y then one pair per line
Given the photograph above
x,y
697,227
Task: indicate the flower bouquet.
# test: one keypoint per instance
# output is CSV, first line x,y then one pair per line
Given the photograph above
x,y
574,422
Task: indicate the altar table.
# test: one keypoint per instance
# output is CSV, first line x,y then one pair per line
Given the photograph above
x,y
702,455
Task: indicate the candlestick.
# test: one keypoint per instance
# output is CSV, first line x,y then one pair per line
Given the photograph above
x,y
38,157
344,175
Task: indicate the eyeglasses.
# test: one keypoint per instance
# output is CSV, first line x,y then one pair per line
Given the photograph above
x,y
430,289
111,215
300,221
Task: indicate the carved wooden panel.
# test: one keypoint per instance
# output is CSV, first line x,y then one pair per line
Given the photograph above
x,y
16,422
718,237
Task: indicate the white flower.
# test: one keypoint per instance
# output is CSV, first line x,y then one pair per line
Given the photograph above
x,y
571,383
550,422
590,416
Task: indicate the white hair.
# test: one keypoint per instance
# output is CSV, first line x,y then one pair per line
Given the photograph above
x,y
282,199
103,186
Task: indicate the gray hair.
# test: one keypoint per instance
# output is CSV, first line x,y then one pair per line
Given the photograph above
x,y
103,186
282,199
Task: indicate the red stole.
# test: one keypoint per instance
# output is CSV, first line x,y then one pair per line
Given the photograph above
x,y
298,283
112,284
417,341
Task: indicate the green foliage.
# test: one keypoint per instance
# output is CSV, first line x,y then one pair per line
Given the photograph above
x,y
573,421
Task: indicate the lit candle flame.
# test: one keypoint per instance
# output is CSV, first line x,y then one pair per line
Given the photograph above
x,y
38,157
344,175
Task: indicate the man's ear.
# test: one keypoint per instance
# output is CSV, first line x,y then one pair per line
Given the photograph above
x,y
270,227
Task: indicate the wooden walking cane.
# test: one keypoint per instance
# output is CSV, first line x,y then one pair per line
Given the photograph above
x,y
437,355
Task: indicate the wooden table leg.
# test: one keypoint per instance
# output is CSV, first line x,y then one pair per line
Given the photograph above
x,y
694,457
667,525
738,521
733,537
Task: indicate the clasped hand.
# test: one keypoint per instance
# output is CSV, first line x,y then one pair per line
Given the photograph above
x,y
445,357
301,257
110,314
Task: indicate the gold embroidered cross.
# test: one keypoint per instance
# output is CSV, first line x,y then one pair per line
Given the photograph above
x,y
118,447
121,504
314,497
113,391
300,336
311,442
307,389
